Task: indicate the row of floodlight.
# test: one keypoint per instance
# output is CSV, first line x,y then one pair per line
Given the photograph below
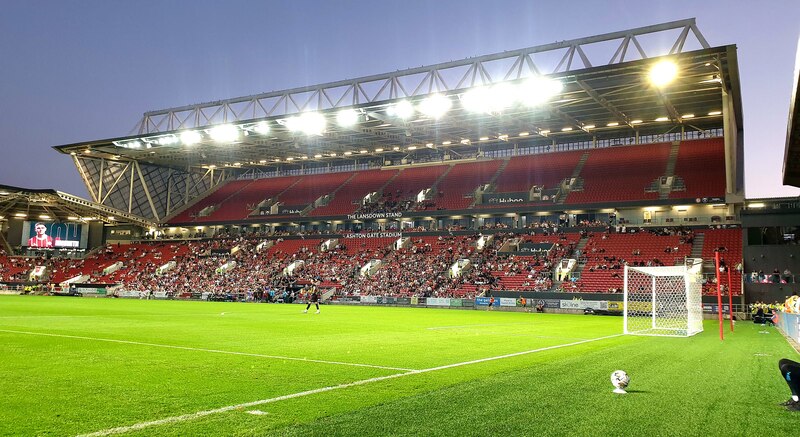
x,y
489,99
494,99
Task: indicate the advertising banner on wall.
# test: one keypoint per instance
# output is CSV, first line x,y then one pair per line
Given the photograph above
x,y
481,301
508,302
438,301
369,299
583,304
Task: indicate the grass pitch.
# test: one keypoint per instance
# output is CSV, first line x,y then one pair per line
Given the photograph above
x,y
106,367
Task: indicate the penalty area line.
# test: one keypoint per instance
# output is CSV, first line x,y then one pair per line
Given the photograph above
x,y
215,351
199,414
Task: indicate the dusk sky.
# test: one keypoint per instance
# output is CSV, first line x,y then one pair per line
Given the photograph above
x,y
75,71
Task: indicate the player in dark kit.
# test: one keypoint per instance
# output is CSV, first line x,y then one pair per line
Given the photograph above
x,y
790,370
314,298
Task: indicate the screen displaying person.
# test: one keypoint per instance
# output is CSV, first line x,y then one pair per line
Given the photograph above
x,y
41,239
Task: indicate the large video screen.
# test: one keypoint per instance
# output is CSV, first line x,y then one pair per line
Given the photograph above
x,y
53,235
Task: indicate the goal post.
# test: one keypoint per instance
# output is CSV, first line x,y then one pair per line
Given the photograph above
x,y
664,301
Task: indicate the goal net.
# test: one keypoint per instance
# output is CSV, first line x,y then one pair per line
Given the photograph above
x,y
664,301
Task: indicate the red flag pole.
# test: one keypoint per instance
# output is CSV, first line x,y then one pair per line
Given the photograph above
x,y
730,296
719,294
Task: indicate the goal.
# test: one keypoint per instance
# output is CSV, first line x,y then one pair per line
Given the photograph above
x,y
664,301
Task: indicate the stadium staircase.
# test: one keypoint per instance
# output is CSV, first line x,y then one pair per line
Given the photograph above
x,y
561,197
579,256
697,245
670,171
492,181
440,179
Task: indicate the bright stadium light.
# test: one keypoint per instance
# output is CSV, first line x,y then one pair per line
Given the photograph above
x,y
491,100
347,118
310,123
403,109
538,90
663,72
662,119
262,128
224,133
435,106
190,137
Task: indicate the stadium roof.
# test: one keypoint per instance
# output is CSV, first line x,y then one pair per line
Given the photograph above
x,y
597,100
791,157
52,205
592,98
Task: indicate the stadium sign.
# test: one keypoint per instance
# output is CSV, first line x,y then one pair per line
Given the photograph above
x,y
289,210
505,198
374,215
375,235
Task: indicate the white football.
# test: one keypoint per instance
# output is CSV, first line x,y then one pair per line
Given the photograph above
x,y
620,379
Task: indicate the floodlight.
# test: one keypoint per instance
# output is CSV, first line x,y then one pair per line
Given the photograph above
x,y
663,72
412,148
483,139
262,128
317,156
538,90
489,100
224,133
310,123
687,116
613,123
190,137
347,118
363,151
662,119
589,126
636,121
44,216
290,159
135,144
403,109
435,106
566,129
544,132
446,143
476,99
348,153
378,150
524,134
715,113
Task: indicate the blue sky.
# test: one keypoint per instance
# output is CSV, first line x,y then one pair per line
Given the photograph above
x,y
81,70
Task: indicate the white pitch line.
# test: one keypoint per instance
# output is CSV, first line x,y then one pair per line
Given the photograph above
x,y
216,351
192,416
